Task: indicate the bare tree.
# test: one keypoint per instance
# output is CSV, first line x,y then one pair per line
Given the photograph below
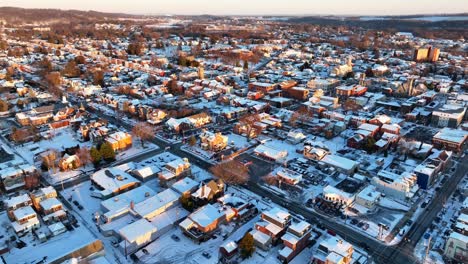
x,y
270,179
143,131
249,122
231,172
49,159
84,156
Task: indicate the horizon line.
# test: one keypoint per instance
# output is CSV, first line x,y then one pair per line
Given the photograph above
x,y
465,13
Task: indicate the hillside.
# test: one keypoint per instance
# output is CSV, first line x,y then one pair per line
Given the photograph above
x,y
45,16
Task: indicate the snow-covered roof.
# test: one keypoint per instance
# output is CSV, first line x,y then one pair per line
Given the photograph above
x,y
50,203
184,185
451,135
22,212
340,162
112,180
123,200
15,200
206,215
156,204
137,229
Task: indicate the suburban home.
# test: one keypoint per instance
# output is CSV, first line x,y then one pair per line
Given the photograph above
x,y
208,192
25,219
213,141
174,171
42,194
16,202
205,220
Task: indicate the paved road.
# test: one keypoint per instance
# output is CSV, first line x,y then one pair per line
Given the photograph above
x,y
425,220
379,252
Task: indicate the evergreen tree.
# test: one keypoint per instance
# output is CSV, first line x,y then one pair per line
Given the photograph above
x,y
247,246
107,152
95,155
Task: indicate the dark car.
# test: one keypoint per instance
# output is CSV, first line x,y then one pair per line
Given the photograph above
x,y
354,221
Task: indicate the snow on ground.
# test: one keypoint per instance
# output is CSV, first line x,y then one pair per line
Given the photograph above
x,y
55,247
391,204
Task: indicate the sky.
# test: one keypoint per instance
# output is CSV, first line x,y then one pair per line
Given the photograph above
x,y
254,7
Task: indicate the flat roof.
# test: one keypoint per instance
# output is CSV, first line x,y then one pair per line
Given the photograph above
x,y
137,229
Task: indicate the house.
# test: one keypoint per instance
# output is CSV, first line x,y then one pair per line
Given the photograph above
x,y
204,221
13,176
288,176
333,250
228,252
42,194
295,240
270,153
174,171
69,162
16,202
119,140
261,87
213,141
208,192
450,139
314,153
25,219
295,136
50,205
401,186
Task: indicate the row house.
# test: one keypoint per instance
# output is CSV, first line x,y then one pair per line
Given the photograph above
x,y
295,240
271,228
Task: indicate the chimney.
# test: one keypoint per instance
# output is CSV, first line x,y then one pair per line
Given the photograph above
x,y
203,190
132,205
